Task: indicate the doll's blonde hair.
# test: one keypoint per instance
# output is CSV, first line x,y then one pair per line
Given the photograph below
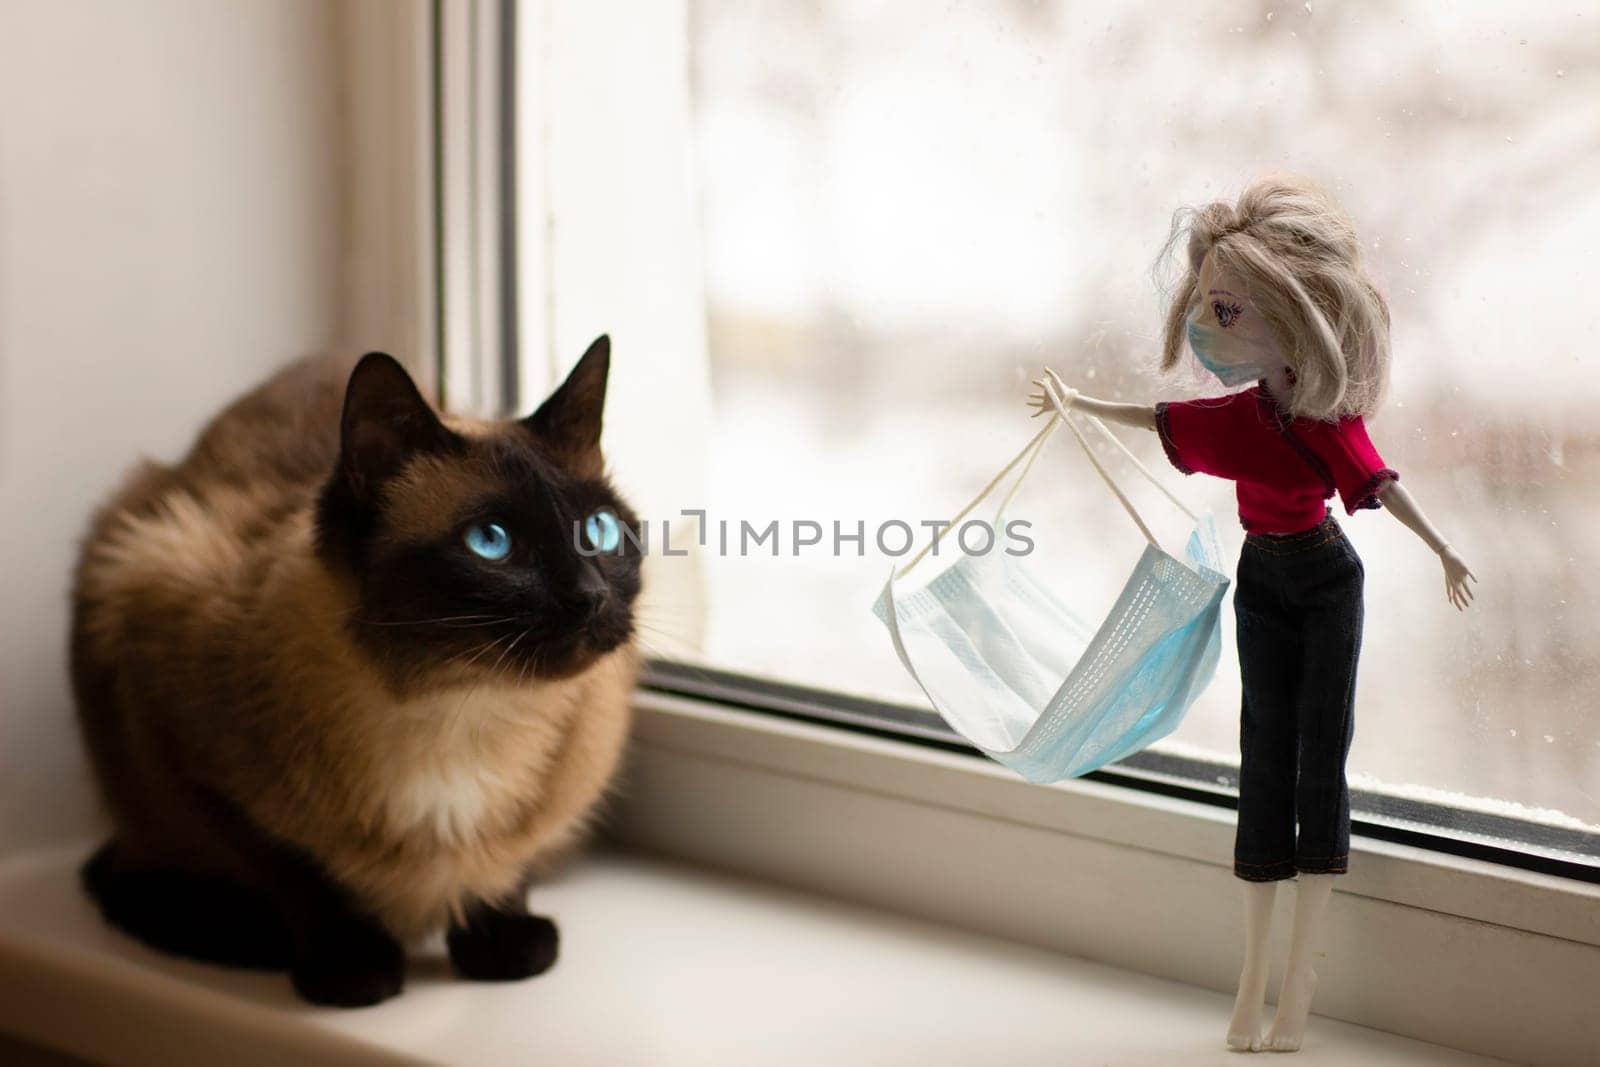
x,y
1297,255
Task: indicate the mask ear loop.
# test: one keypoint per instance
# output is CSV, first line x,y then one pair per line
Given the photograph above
x,y
1022,476
1094,460
1029,452
1138,464
1142,469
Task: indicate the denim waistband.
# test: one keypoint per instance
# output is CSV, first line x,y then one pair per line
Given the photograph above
x,y
1320,535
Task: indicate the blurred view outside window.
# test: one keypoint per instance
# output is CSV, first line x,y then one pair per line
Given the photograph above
x,y
908,208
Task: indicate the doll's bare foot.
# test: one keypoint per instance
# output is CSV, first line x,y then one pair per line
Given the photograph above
x,y
1294,1005
1244,1029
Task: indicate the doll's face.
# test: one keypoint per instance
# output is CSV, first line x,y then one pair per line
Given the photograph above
x,y
1227,333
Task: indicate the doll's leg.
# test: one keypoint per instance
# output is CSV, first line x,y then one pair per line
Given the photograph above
x,y
1269,663
1326,715
1299,976
1244,1029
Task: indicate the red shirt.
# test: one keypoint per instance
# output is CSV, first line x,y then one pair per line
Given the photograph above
x,y
1284,466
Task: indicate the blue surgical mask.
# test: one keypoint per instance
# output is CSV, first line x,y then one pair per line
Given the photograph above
x,y
1011,667
1230,340
1230,374
1002,655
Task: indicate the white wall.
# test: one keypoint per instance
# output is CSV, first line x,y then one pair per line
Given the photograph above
x,y
170,230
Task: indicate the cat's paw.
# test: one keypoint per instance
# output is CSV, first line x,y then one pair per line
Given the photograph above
x,y
353,968
205,918
503,948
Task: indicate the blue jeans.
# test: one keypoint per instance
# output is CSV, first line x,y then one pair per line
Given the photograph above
x,y
1298,604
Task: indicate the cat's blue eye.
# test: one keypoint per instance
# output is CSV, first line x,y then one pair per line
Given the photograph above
x,y
489,540
602,531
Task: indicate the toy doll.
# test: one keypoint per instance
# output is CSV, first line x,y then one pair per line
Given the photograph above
x,y
1275,294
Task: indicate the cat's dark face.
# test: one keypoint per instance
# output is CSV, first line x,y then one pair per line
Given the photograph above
x,y
472,544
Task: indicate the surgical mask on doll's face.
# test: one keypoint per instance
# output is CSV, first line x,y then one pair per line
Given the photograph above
x,y
1230,338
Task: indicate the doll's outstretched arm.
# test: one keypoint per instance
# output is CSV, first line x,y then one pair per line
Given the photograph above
x,y
1456,573
1139,416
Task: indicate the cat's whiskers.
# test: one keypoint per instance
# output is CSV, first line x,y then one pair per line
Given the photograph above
x,y
352,615
476,725
666,635
481,650
512,647
679,615
465,622
678,663
456,715
643,625
652,651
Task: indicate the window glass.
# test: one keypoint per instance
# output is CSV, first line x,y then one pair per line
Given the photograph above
x,y
907,210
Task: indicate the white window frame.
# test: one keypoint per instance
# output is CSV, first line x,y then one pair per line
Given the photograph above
x,y
1460,952
391,271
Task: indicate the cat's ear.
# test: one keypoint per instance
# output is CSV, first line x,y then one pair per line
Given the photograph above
x,y
385,422
570,419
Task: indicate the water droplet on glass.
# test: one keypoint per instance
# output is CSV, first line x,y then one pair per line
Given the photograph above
x,y
1548,739
1513,733
1561,74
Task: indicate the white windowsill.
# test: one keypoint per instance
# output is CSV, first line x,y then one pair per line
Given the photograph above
x,y
662,964
1459,952
1077,886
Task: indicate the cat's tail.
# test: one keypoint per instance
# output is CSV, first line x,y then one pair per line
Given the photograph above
x,y
201,917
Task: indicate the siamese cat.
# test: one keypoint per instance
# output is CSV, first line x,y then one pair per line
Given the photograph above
x,y
351,672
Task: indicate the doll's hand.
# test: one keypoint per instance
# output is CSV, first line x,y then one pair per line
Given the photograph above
x,y
1041,400
1456,575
